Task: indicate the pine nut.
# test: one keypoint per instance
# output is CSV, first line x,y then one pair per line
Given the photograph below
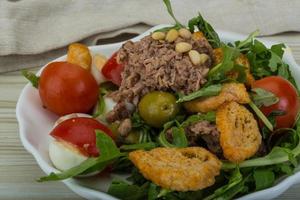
x,y
182,47
185,33
195,57
158,35
172,35
203,58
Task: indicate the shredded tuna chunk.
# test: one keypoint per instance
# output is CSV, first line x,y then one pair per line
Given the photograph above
x,y
155,65
206,131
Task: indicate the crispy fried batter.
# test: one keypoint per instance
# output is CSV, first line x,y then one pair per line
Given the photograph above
x,y
239,134
230,92
79,54
185,169
241,60
218,55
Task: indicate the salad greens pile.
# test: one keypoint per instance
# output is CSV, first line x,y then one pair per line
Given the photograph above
x,y
260,172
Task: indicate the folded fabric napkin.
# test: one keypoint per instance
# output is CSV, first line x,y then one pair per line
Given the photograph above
x,y
33,32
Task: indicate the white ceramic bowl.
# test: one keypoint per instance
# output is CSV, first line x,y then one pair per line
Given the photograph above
x,y
36,122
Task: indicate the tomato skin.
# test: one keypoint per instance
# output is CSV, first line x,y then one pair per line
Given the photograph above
x,y
67,88
288,100
112,70
80,131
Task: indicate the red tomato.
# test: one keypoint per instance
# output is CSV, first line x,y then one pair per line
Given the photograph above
x,y
80,131
112,70
67,88
288,99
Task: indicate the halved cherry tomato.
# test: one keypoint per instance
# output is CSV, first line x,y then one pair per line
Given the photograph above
x,y
288,100
80,131
112,70
67,88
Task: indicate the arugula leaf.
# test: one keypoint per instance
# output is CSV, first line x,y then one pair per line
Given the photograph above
x,y
34,79
209,116
267,62
152,192
208,31
245,44
179,138
100,106
234,180
177,25
146,146
109,152
263,97
178,133
211,90
170,11
261,115
219,72
125,191
264,178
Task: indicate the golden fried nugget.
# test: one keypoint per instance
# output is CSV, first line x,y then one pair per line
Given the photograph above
x,y
218,55
230,92
241,60
239,133
179,169
198,35
79,54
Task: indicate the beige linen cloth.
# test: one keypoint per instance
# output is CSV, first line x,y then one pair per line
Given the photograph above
x,y
32,32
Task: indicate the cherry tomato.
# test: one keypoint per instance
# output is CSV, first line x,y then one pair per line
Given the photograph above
x,y
80,131
112,70
288,100
67,88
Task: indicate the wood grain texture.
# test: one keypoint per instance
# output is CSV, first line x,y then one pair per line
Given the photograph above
x,y
18,169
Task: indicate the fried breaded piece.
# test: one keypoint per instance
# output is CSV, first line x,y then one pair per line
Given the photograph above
x,y
239,134
79,54
230,92
218,55
241,60
184,169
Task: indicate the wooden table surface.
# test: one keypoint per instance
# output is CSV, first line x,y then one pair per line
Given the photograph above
x,y
18,169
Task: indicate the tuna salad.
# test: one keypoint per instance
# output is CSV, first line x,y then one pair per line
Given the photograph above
x,y
184,114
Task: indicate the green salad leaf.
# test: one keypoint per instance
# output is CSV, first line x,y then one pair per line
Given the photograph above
x,y
264,178
34,79
261,116
109,152
145,146
208,31
177,25
209,116
268,61
208,91
178,135
219,72
126,191
245,45
232,188
263,97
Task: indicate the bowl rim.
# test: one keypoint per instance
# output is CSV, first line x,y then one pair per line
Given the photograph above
x,y
89,193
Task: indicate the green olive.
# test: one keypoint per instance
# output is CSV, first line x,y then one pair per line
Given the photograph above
x,y
157,108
